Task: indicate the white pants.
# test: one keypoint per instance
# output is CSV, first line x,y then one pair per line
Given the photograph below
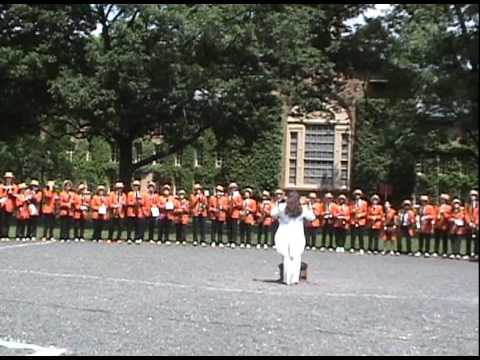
x,y
291,269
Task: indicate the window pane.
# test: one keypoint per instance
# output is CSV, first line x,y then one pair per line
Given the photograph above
x,y
319,155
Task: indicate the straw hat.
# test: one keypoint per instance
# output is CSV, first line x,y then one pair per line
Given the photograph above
x,y
119,185
265,193
456,201
329,196
166,186
151,184
136,183
407,202
51,183
100,187
67,182
8,174
473,193
358,192
249,190
22,186
197,187
343,197
219,188
34,183
312,195
82,187
424,198
233,185
375,197
181,192
445,197
279,192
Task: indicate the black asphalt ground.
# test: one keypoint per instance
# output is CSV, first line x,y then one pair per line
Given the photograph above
x,y
99,299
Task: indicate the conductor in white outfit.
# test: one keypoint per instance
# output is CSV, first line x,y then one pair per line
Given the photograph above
x,y
290,236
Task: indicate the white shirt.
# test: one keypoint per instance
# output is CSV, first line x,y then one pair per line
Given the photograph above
x,y
290,236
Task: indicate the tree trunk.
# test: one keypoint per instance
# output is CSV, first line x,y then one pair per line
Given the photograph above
x,y
125,161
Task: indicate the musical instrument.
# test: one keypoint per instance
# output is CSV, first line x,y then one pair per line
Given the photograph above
x,y
137,203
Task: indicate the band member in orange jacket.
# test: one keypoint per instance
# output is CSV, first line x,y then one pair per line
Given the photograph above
x,y
182,217
34,201
312,227
442,225
217,208
151,210
199,204
327,211
50,198
471,217
235,204
458,228
279,198
341,216
67,197
117,202
358,220
425,232
8,190
375,221
407,221
99,205
80,215
264,219
247,218
22,214
167,214
135,200
389,234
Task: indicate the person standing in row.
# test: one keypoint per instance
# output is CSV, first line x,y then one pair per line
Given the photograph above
x,y
100,207
375,221
48,210
312,227
67,198
390,229
167,214
34,200
117,202
264,220
407,220
135,216
182,217
471,217
457,228
342,222
247,220
217,208
199,203
425,232
328,228
8,190
151,210
81,207
22,214
442,223
358,221
235,204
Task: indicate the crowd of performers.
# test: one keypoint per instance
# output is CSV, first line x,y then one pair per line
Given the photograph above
x,y
159,216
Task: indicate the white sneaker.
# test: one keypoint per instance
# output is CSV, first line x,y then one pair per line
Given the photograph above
x,y
383,253
138,242
397,253
444,256
417,254
248,246
337,250
322,249
242,246
184,243
314,248
369,252
458,257
177,243
204,244
129,241
76,240
221,245
82,240
44,239
17,239
427,255
452,256
195,243
232,245
34,238
330,249
361,252
258,246
213,244
375,252
307,247
465,257
410,254
265,246
352,251
168,242
434,254
342,249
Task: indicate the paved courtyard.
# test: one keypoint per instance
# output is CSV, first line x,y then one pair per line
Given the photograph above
x,y
99,299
